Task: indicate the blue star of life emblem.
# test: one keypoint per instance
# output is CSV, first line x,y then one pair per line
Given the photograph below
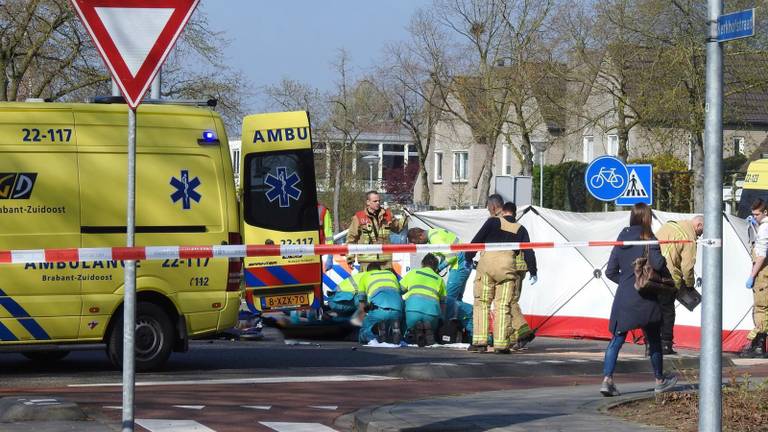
x,y
283,187
185,190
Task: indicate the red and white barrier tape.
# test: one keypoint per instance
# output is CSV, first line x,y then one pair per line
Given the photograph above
x,y
144,253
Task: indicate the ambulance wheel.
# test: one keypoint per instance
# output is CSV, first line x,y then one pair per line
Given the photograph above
x,y
45,356
153,340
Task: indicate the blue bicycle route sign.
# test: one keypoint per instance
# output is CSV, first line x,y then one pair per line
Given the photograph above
x,y
606,178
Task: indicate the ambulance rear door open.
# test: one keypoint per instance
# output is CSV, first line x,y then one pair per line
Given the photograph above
x,y
279,206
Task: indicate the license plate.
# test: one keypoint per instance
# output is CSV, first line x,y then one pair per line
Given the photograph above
x,y
283,301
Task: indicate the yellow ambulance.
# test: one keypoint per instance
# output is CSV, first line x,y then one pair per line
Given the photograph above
x,y
755,186
279,206
63,185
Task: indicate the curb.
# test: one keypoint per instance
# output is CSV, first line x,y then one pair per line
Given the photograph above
x,y
445,370
38,408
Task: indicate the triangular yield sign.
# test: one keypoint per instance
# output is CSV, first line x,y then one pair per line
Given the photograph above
x,y
134,37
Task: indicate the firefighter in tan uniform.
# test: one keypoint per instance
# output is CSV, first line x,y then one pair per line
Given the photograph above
x,y
499,280
681,258
758,283
372,225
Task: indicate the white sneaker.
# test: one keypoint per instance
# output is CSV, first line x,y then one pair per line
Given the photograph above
x,y
666,385
609,389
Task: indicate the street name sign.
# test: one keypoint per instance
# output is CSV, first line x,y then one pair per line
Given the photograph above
x,y
736,25
134,37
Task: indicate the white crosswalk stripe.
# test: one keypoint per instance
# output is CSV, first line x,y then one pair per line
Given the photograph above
x,y
159,425
325,407
297,427
257,407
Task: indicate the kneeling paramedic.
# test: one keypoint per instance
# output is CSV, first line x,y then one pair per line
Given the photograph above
x,y
458,271
424,301
380,306
345,300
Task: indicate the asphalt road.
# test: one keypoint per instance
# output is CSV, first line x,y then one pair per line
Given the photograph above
x,y
274,356
277,385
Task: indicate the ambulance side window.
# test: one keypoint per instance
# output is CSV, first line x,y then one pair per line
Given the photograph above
x,y
280,190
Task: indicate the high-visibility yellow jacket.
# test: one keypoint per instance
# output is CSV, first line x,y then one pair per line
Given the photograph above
x,y
380,288
423,282
443,236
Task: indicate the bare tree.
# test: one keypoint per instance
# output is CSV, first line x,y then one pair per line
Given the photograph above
x,y
485,58
405,85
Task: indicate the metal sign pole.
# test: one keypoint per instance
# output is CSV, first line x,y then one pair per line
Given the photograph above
x,y
129,305
710,402
541,178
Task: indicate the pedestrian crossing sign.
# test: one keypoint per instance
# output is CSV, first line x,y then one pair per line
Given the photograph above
x,y
639,186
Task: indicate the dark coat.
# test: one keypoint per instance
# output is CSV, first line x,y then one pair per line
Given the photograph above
x,y
631,310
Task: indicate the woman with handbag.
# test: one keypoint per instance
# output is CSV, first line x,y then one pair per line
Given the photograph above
x,y
635,308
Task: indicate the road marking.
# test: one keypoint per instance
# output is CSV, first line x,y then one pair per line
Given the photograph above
x,y
258,407
172,426
579,361
297,427
272,380
553,361
192,407
112,407
325,407
529,362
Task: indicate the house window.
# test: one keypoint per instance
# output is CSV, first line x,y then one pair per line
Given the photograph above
x,y
738,146
460,166
587,148
613,145
438,167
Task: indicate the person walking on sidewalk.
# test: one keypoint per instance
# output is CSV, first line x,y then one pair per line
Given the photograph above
x,y
681,258
380,306
424,295
372,225
758,283
498,281
630,309
458,272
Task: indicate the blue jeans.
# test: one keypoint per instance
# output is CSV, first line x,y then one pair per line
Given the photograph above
x,y
457,281
652,338
456,309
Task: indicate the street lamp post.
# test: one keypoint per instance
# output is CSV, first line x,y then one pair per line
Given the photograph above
x,y
541,147
371,159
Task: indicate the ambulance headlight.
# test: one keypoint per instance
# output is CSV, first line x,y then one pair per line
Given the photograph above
x,y
209,138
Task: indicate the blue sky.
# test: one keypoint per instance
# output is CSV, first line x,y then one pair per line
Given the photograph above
x,y
299,39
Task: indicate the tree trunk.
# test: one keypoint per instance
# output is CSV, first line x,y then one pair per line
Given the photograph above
x,y
527,154
623,133
337,191
697,165
484,185
527,165
424,181
623,141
